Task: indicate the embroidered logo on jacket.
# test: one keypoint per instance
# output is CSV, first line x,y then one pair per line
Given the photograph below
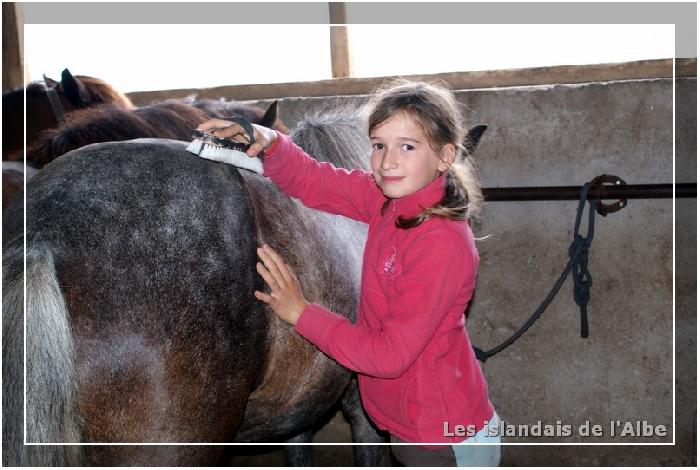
x,y
391,267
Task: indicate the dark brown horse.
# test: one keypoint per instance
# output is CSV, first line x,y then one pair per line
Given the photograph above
x,y
71,93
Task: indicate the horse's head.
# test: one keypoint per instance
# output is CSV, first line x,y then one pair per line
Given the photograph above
x,y
81,91
271,120
268,118
221,108
48,101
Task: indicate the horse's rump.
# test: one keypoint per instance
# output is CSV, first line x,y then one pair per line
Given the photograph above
x,y
151,250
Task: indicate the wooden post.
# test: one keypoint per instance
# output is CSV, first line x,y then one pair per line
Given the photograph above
x,y
12,51
340,50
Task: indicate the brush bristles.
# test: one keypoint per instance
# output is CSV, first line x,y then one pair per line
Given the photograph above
x,y
225,155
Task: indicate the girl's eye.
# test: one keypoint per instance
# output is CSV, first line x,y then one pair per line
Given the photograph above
x,y
407,147
378,146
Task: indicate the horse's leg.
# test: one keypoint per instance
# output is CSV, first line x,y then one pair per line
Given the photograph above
x,y
299,456
363,430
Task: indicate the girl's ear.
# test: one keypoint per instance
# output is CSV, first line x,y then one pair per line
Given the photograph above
x,y
447,156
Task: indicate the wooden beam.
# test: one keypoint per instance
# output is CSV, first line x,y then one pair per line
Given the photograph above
x,y
645,69
12,53
340,48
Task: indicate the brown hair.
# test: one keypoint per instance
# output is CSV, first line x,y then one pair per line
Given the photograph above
x,y
436,110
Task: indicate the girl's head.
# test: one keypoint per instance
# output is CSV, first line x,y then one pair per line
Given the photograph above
x,y
417,134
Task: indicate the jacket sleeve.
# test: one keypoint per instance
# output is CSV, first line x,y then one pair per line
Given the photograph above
x,y
435,269
320,185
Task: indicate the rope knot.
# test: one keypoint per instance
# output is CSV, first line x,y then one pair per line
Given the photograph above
x,y
578,254
581,276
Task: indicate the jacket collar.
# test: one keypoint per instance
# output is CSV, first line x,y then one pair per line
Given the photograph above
x,y
414,203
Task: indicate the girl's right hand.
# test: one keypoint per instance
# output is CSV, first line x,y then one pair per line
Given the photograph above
x,y
263,136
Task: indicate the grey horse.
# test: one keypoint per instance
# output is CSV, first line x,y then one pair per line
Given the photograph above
x,y
141,324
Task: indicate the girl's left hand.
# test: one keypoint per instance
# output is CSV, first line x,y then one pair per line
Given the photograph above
x,y
285,297
263,136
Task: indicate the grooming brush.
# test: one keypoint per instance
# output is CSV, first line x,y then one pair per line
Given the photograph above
x,y
224,150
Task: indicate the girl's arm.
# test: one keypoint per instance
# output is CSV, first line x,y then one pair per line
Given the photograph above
x,y
320,185
434,272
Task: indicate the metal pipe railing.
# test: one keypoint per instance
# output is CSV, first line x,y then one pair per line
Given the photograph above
x,y
561,193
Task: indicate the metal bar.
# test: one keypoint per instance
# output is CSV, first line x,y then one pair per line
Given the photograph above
x,y
565,193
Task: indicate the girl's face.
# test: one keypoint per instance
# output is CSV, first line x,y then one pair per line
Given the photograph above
x,y
402,160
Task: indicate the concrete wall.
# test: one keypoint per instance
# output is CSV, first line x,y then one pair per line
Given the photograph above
x,y
566,135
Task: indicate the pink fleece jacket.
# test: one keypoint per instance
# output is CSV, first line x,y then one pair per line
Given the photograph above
x,y
416,367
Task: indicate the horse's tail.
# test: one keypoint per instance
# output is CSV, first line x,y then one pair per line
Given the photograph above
x,y
51,387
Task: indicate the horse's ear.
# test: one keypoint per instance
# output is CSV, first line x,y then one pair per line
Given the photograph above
x,y
74,89
270,116
51,83
473,137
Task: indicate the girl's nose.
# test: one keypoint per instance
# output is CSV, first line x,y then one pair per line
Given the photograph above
x,y
389,161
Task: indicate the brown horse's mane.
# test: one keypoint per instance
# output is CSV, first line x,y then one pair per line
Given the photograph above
x,y
171,119
103,92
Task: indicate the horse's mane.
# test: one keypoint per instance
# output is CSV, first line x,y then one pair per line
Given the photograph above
x,y
102,92
335,136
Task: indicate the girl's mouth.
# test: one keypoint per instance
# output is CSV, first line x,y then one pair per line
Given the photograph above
x,y
392,179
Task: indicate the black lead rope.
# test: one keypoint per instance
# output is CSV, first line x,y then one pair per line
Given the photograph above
x,y
578,262
245,124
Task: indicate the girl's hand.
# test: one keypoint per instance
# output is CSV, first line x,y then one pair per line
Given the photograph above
x,y
285,297
263,136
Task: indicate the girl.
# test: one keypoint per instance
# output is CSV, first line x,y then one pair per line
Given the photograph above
x,y
418,375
